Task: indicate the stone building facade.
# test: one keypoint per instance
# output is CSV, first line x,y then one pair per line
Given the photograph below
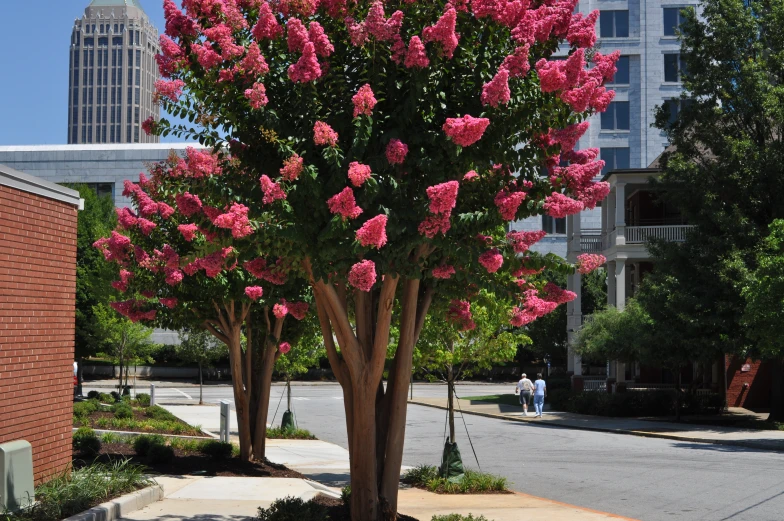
x,y
112,74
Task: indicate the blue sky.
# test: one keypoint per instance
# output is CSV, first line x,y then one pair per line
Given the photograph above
x,y
35,38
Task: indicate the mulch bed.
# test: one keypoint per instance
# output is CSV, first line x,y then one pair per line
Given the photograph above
x,y
138,416
338,512
191,463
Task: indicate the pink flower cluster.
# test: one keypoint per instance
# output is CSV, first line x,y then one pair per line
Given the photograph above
x,y
324,135
307,68
416,56
280,310
374,232
396,152
443,32
533,307
358,173
344,204
522,241
459,313
169,302
169,89
115,248
569,136
259,269
122,284
254,64
298,310
284,348
130,309
554,293
364,101
188,204
443,198
362,275
257,96
236,220
292,167
580,88
497,92
588,262
470,176
508,203
202,163
267,27
559,205
272,190
492,260
376,24
212,264
254,292
465,131
443,272
516,63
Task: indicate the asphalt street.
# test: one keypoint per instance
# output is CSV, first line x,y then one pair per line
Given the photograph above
x,y
643,478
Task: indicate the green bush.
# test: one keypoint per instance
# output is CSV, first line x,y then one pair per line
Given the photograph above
x,y
216,449
74,491
473,482
143,399
93,395
106,398
459,517
122,411
116,396
159,413
143,443
82,409
276,433
292,509
160,454
420,475
86,442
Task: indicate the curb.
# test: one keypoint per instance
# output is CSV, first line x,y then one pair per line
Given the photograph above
x,y
642,434
120,507
323,488
131,434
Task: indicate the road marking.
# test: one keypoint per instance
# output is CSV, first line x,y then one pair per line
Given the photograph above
x,y
337,397
188,396
301,399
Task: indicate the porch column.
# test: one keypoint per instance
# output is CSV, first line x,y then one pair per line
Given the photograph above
x,y
577,312
577,233
620,284
611,283
620,214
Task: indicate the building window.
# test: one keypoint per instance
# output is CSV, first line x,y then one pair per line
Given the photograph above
x,y
614,158
622,75
614,24
673,108
616,117
136,134
103,42
102,189
673,18
674,68
553,226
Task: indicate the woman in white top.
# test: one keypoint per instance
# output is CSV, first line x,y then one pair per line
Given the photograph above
x,y
525,387
540,391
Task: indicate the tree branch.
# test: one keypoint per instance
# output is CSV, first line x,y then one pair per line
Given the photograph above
x,y
329,343
386,303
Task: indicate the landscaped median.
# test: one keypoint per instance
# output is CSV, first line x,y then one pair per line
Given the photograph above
x,y
108,412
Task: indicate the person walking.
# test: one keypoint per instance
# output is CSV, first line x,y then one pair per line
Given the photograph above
x,y
525,387
540,391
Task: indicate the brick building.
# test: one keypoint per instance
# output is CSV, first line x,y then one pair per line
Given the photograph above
x,y
37,313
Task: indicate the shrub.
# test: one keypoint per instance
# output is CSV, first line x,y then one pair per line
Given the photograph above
x,y
473,482
143,443
143,399
292,509
159,413
276,433
110,437
116,396
420,475
106,398
93,395
160,454
122,411
86,442
459,517
216,449
75,491
82,409
186,445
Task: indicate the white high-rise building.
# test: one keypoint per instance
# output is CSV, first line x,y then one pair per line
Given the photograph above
x,y
112,74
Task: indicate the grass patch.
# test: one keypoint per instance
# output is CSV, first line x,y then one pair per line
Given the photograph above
x,y
123,417
473,482
83,488
276,433
500,399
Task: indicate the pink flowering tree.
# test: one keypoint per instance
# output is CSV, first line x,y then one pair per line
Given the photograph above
x,y
382,140
187,256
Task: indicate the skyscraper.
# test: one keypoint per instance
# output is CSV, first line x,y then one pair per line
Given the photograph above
x,y
112,74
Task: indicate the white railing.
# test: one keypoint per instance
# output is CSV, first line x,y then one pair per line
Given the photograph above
x,y
591,243
595,385
641,234
586,318
648,387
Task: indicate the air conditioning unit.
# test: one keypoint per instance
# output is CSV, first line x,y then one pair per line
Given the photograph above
x,y
16,476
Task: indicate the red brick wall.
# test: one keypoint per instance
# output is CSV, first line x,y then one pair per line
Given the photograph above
x,y
758,378
37,292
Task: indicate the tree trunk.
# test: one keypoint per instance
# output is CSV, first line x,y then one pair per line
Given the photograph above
x,y
201,386
365,505
269,356
777,391
450,385
122,359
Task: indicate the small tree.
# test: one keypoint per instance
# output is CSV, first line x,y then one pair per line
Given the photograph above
x,y
202,348
125,340
455,345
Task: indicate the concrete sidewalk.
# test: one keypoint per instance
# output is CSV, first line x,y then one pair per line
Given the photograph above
x,y
756,439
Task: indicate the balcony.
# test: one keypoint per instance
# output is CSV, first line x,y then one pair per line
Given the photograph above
x,y
591,240
642,234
